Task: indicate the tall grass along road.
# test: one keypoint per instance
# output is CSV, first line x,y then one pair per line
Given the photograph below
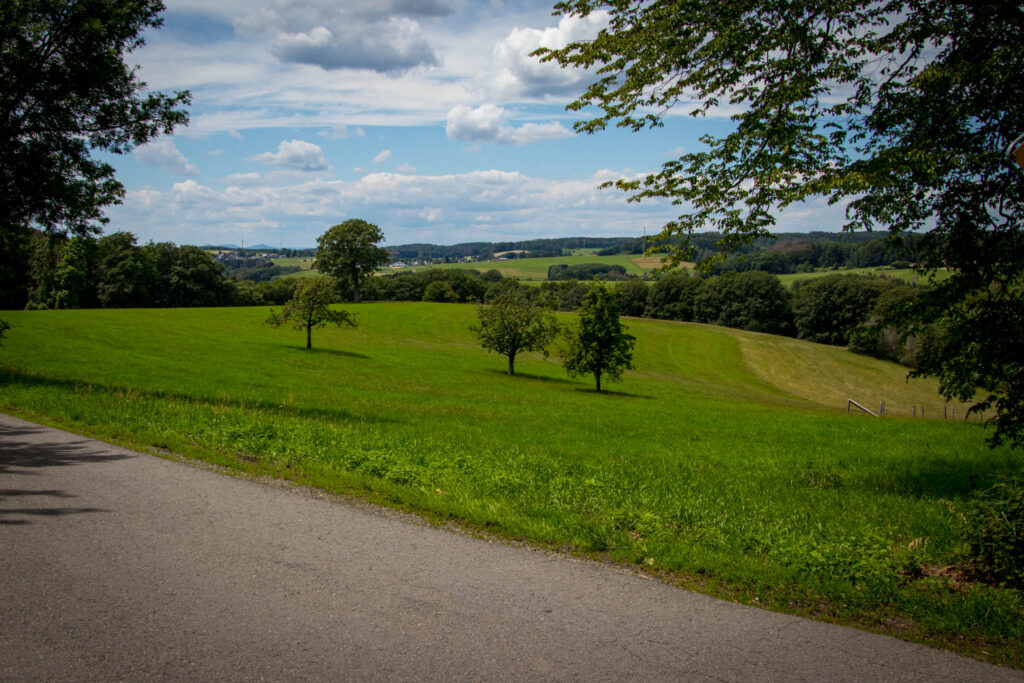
x,y
118,565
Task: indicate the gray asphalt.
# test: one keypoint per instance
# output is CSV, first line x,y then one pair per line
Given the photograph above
x,y
116,565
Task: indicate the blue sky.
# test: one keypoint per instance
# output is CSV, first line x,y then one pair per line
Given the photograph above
x,y
426,117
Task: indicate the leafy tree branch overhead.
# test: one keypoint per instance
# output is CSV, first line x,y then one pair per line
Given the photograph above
x,y
66,91
900,111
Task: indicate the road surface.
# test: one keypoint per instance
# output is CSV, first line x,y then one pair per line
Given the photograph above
x,y
116,565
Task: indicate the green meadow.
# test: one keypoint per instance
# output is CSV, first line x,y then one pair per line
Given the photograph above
x,y
537,268
724,462
906,274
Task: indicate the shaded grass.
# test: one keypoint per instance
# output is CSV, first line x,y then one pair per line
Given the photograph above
x,y
723,461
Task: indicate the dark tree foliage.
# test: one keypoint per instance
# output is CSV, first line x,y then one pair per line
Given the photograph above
x,y
599,344
902,110
467,285
349,252
126,276
311,307
672,296
439,291
514,322
829,309
752,301
631,297
66,91
587,271
563,296
112,272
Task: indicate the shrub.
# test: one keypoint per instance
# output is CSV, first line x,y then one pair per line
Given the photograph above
x,y
992,524
440,291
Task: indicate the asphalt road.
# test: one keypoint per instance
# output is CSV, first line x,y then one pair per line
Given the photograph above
x,y
116,565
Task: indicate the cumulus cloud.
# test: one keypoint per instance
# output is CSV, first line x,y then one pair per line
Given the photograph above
x,y
383,157
296,155
487,123
485,204
163,154
379,36
517,74
406,168
397,45
190,192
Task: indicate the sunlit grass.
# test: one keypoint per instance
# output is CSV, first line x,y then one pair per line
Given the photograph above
x,y
725,458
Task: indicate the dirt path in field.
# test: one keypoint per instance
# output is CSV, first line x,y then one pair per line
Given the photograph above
x,y
122,566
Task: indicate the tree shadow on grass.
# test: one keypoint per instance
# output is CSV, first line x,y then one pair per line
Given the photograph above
x,y
612,392
531,377
332,352
941,477
12,376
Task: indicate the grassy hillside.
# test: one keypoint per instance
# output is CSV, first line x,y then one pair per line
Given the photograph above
x,y
724,460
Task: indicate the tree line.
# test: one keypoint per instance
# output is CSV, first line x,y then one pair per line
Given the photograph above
x,y
838,309
114,271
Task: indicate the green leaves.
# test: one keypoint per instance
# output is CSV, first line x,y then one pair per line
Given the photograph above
x,y
599,345
899,110
349,252
67,91
514,322
310,307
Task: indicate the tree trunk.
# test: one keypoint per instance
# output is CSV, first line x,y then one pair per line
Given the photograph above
x,y
511,363
309,336
355,285
597,376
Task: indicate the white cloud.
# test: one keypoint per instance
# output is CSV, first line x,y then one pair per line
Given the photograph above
x,y
516,74
485,204
191,192
486,123
406,168
243,178
163,154
341,132
395,46
383,157
383,37
296,155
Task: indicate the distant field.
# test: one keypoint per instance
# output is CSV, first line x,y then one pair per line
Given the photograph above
x,y
305,262
725,461
906,274
537,268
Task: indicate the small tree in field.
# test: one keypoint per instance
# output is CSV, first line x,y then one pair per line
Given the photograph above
x,y
513,323
599,344
310,307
